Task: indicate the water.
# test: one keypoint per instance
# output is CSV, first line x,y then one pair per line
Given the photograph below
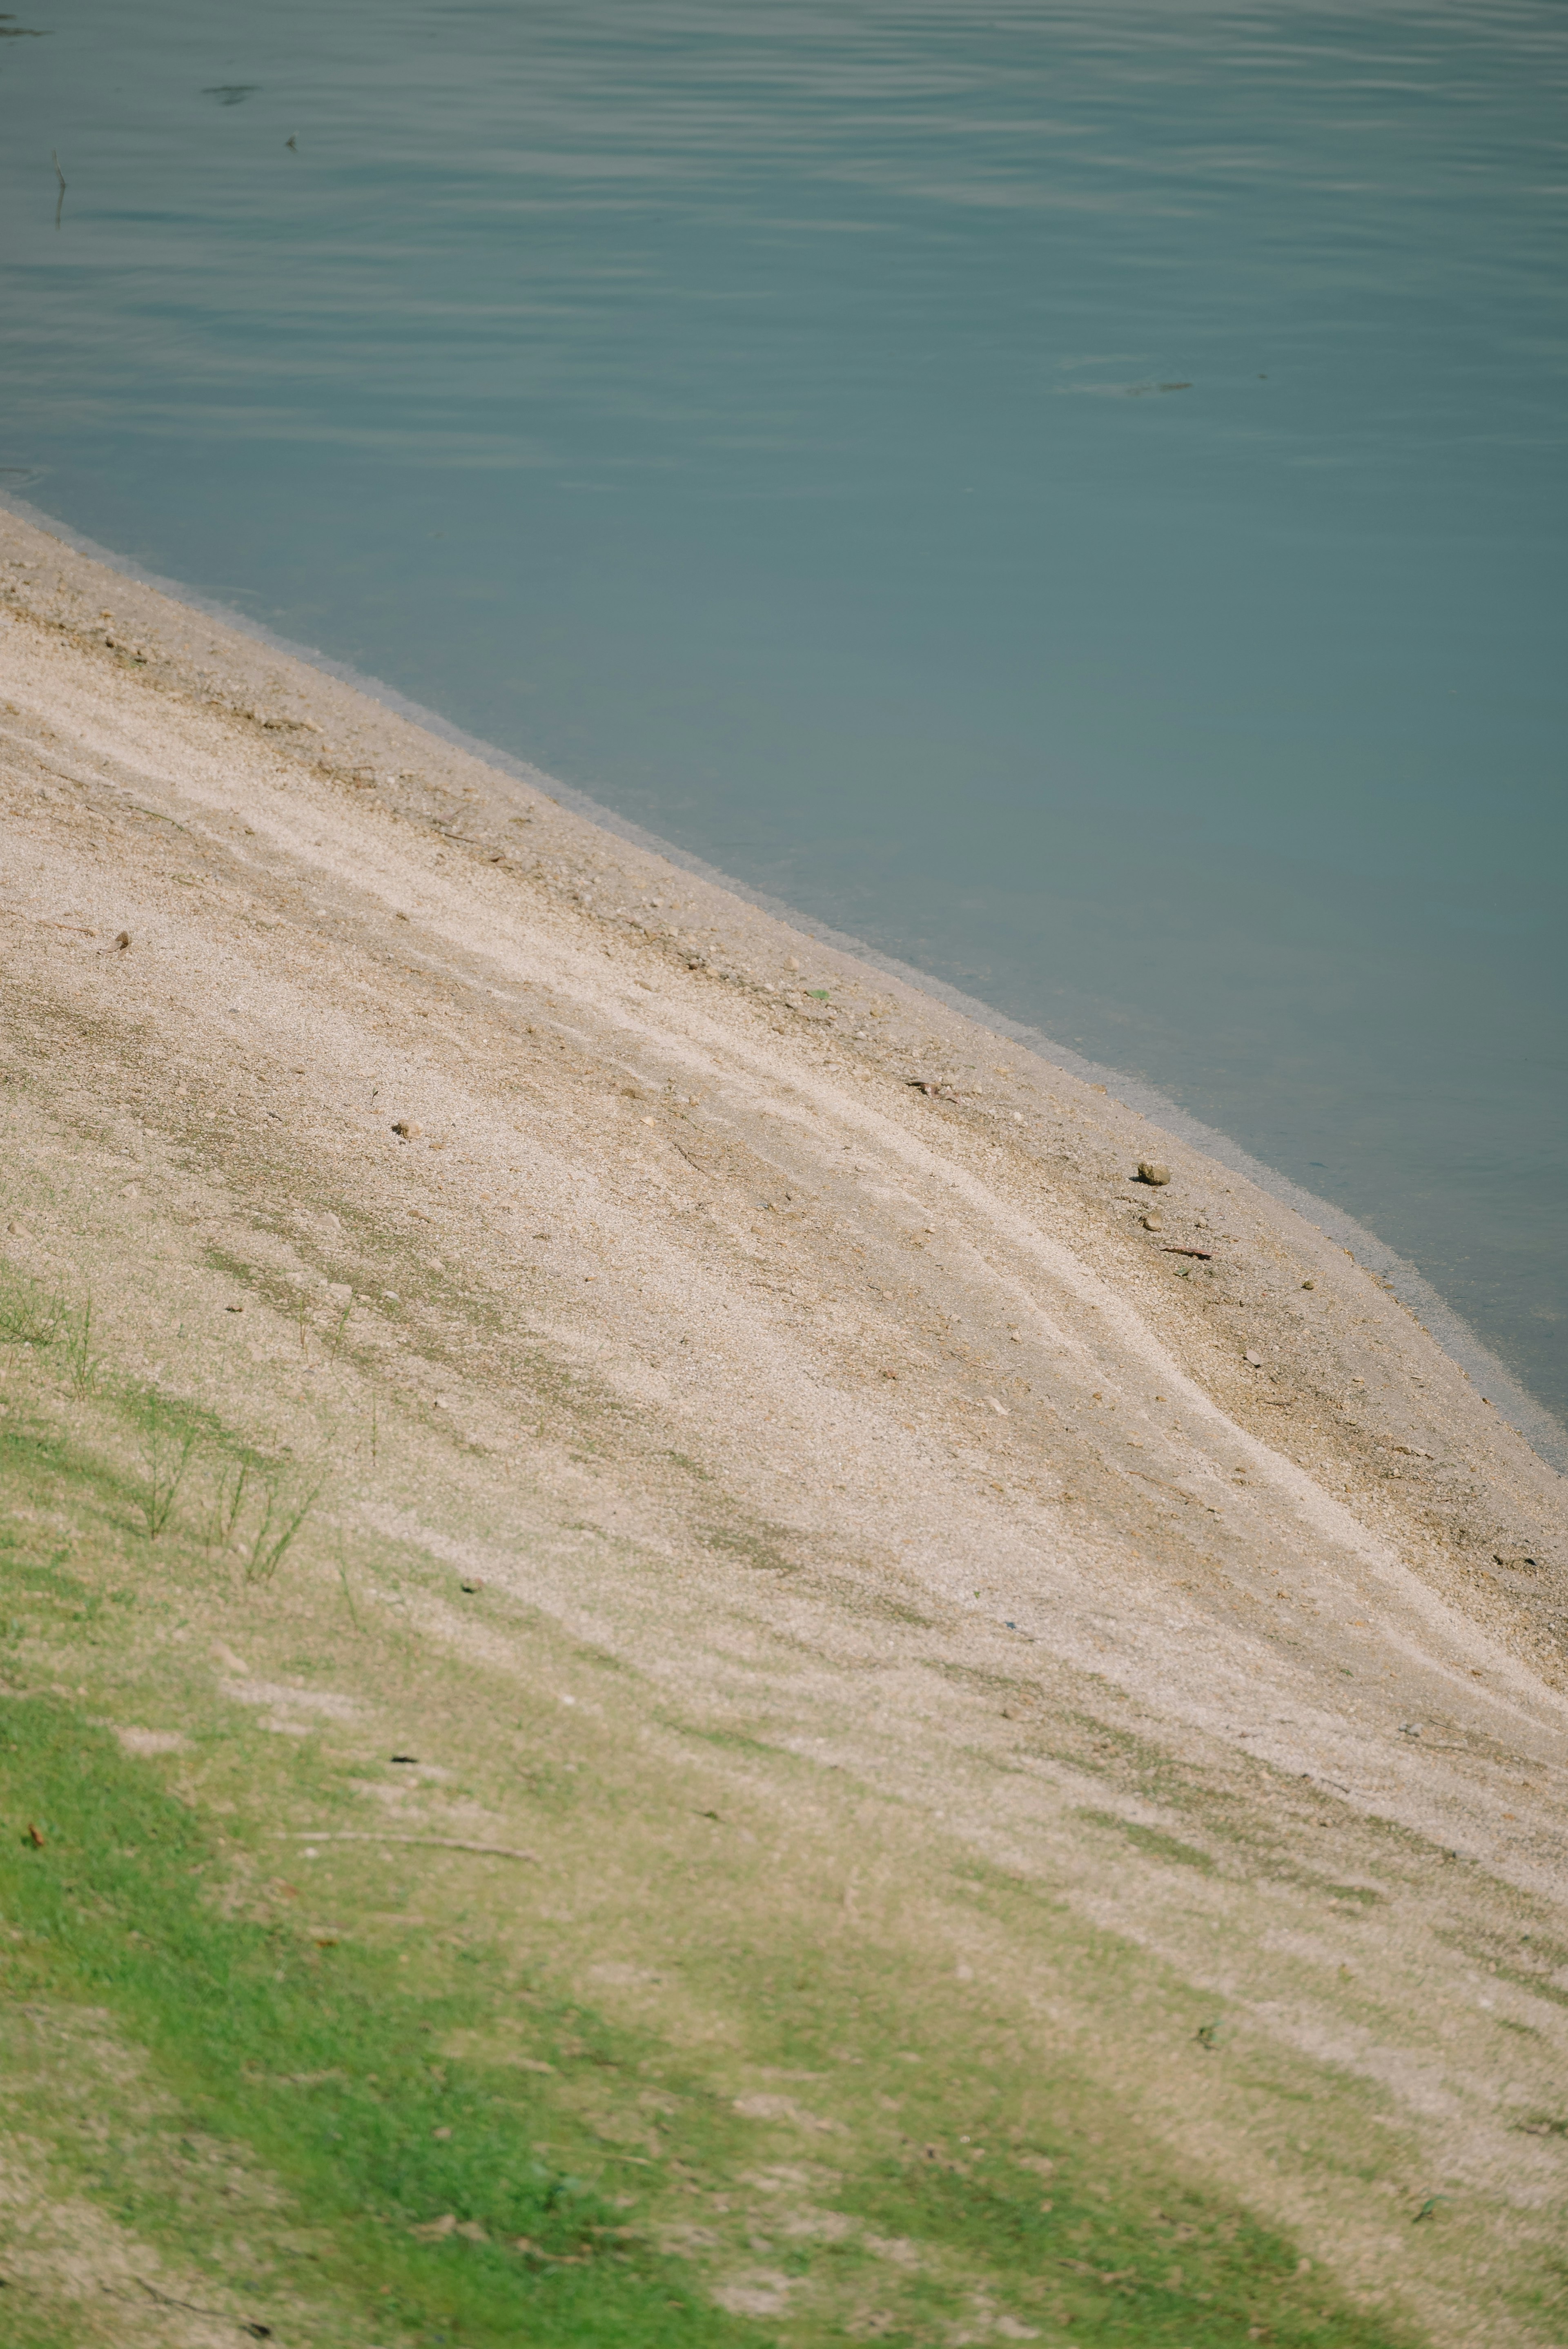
x,y
1070,494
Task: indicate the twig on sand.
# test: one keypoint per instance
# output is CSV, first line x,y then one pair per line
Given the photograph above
x,y
1205,1256
167,2300
438,1843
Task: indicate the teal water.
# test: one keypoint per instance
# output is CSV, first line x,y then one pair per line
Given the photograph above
x,y
1073,494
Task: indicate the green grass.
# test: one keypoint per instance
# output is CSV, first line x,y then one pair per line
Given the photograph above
x,y
1152,1840
239,2017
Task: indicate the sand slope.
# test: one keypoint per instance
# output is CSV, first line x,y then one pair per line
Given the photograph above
x,y
775,1328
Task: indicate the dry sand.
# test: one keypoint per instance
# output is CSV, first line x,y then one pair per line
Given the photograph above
x,y
792,1337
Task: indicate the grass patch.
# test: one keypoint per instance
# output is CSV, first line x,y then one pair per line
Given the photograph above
x,y
760,1550
1150,1840
1075,2257
30,1315
320,2060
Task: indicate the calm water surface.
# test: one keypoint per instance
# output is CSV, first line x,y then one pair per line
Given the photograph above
x,y
1073,494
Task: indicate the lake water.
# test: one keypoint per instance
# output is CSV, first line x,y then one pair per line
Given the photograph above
x,y
1072,494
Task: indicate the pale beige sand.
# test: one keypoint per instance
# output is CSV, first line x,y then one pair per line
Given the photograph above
x,y
977,1444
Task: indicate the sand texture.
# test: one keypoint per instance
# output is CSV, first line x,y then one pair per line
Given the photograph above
x,y
728,1311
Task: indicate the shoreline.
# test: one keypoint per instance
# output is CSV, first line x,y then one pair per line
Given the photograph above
x,y
1480,1363
393,778
811,1554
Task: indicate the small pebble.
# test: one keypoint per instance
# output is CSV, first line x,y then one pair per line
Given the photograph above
x,y
407,1127
1151,1171
1309,1284
1153,1221
1256,1360
123,940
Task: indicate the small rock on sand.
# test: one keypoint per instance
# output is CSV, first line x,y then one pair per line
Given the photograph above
x,y
1151,1171
1153,1221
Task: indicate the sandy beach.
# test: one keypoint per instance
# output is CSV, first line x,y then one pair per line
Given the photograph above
x,y
1093,1603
